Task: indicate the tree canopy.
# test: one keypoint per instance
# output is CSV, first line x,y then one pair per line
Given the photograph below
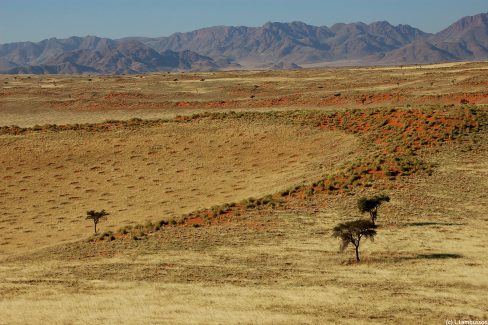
x,y
371,205
96,216
352,232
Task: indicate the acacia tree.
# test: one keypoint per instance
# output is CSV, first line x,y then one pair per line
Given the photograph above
x,y
96,216
352,232
371,205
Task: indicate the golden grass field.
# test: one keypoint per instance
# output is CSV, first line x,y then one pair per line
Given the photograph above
x,y
50,180
267,264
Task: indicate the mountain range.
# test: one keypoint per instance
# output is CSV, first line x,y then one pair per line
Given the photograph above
x,y
271,46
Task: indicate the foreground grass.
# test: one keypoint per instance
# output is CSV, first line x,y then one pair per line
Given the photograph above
x,y
279,265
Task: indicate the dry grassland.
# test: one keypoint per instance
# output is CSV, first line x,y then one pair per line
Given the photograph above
x,y
427,264
270,264
30,100
49,180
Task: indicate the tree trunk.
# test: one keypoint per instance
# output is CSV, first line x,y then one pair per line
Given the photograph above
x,y
374,214
357,253
95,227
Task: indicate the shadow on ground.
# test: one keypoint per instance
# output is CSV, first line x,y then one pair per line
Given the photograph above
x,y
433,223
400,259
438,256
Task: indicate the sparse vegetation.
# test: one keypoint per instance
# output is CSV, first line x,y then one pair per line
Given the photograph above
x,y
371,205
351,233
267,252
96,216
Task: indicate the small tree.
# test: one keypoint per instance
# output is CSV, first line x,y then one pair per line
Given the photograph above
x,y
371,205
352,232
96,216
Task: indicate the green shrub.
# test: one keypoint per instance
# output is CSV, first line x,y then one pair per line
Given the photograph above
x,y
309,192
250,205
123,230
162,223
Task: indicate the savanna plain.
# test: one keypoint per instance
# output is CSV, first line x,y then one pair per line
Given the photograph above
x,y
223,189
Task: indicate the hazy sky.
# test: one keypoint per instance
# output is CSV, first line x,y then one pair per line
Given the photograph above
x,y
34,20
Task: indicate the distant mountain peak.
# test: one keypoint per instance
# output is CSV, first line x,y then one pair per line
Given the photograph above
x,y
467,38
274,45
476,20
456,30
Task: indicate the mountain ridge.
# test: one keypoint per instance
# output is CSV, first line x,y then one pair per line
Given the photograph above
x,y
274,45
92,54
